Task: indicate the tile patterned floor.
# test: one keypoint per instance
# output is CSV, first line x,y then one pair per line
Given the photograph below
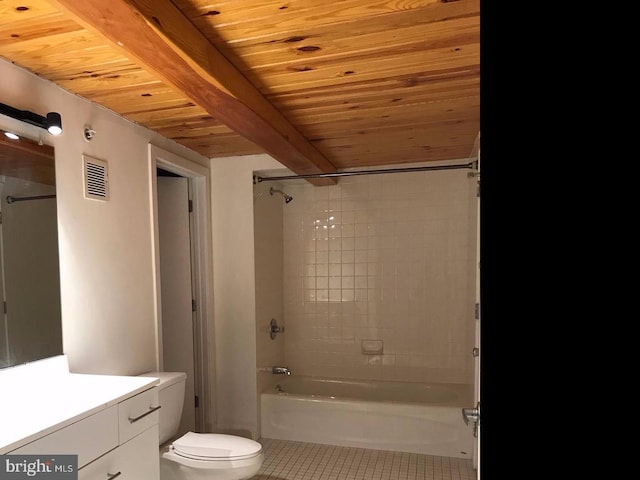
x,y
286,460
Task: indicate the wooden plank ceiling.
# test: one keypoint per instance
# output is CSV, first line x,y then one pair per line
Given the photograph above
x,y
319,85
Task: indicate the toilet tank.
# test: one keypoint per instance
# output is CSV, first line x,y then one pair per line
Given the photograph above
x,y
171,397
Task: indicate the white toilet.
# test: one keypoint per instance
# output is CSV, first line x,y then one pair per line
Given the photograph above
x,y
199,456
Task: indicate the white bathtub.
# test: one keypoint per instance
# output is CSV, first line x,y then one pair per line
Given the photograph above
x,y
396,416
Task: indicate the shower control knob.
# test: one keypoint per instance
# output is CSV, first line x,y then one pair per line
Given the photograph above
x,y
274,329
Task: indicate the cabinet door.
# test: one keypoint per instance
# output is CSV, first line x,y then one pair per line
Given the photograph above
x,y
137,459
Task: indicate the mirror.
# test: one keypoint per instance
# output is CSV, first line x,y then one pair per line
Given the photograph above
x,y
30,313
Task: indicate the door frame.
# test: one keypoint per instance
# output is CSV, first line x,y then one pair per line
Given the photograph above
x,y
200,191
478,342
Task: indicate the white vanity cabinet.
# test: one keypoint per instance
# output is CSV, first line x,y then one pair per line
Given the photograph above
x,y
110,422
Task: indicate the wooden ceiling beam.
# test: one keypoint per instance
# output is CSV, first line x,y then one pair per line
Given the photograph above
x,y
156,35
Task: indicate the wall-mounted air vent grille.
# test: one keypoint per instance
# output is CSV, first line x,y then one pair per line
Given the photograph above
x,y
96,178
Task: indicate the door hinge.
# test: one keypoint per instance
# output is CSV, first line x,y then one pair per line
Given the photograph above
x,y
477,311
193,305
197,401
472,415
190,206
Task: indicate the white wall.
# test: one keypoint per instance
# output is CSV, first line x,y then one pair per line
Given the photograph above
x,y
105,247
234,290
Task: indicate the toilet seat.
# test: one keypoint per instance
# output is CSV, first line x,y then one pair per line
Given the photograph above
x,y
215,446
214,450
228,464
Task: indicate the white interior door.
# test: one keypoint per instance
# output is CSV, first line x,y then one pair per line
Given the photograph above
x,y
176,289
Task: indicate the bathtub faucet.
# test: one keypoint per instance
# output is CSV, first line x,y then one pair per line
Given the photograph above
x,y
280,371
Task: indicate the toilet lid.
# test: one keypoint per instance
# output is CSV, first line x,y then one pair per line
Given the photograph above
x,y
215,446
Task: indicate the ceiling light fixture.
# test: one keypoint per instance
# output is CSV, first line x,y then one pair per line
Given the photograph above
x,y
52,122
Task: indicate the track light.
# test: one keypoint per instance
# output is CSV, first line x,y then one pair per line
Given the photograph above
x,y
52,122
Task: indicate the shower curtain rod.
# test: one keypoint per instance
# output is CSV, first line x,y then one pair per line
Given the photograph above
x,y
258,179
11,199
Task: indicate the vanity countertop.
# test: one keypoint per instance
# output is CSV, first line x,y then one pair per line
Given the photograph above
x,y
36,402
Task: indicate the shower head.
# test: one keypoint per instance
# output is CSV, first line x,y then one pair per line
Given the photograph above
x,y
287,198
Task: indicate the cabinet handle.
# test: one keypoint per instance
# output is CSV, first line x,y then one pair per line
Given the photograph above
x,y
151,410
111,476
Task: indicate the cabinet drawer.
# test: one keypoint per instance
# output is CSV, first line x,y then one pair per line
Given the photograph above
x,y
88,438
138,459
137,414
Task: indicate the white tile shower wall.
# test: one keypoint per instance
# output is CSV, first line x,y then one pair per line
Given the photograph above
x,y
388,257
